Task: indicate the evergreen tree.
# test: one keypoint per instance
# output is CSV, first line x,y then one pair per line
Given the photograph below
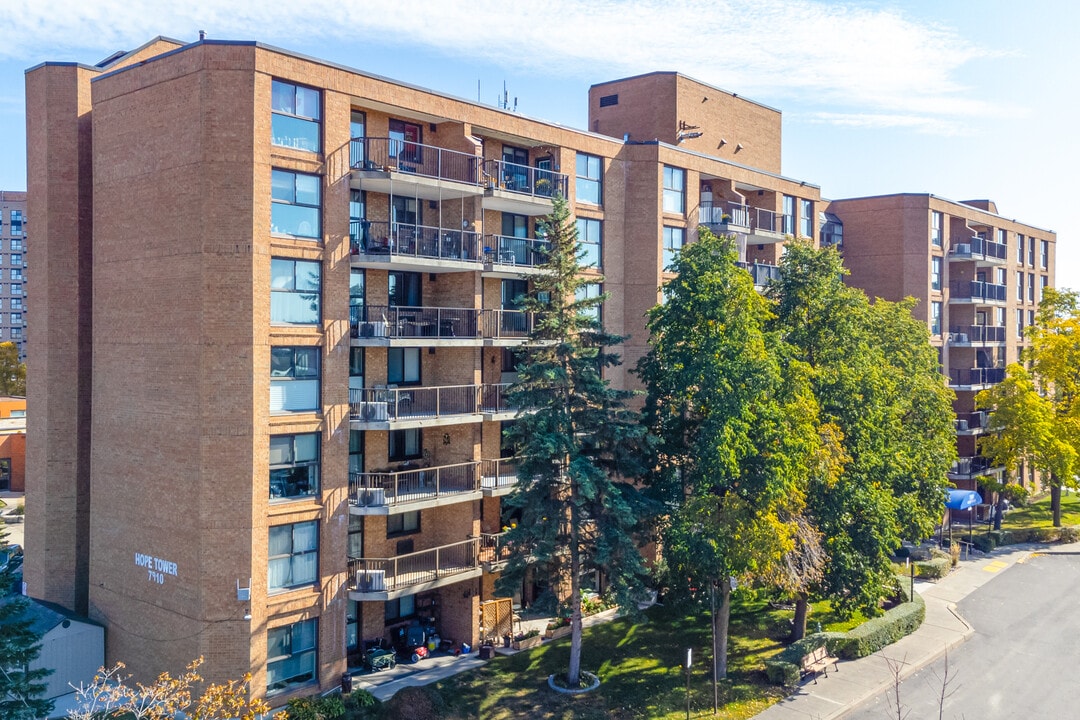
x,y
20,687
576,442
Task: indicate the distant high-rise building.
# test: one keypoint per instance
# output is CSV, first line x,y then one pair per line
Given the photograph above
x,y
13,269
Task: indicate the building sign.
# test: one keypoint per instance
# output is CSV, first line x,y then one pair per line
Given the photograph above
x,y
156,568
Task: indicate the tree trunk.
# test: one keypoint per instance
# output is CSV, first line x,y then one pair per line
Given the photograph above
x,y
999,508
720,628
573,672
798,628
1055,500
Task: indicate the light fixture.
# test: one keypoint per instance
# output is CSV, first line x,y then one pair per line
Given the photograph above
x,y
247,614
687,136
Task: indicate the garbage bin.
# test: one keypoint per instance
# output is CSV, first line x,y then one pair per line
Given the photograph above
x,y
346,683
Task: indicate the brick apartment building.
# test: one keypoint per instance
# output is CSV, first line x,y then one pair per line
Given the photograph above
x,y
279,305
13,269
978,277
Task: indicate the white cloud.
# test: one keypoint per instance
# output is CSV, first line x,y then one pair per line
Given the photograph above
x,y
858,61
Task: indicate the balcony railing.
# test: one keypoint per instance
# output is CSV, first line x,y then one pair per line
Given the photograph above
x,y
723,213
976,465
525,180
380,489
498,474
978,290
423,403
520,252
494,550
392,321
425,566
415,158
976,376
977,334
762,273
414,241
988,249
967,422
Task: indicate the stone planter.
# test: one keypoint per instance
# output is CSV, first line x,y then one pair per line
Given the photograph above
x,y
529,642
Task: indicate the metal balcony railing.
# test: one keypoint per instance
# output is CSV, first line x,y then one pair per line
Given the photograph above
x,y
977,334
423,403
493,548
723,213
425,566
414,241
525,180
493,398
988,249
392,321
416,158
976,376
378,489
971,421
520,252
498,474
971,466
978,290
762,273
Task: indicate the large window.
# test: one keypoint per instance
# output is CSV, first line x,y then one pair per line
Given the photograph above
x,y
290,655
673,242
357,122
405,141
294,555
935,228
590,291
403,366
1031,287
405,289
935,318
294,291
1044,253
788,220
405,444
294,121
402,523
16,224
806,218
294,465
1031,252
674,190
1020,286
356,452
297,200
589,235
1019,323
588,179
1020,249
294,379
935,273
400,608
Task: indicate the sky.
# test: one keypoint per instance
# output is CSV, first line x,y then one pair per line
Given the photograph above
x,y
965,99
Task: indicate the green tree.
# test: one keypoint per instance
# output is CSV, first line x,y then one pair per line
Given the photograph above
x,y
12,372
575,443
1035,413
736,429
876,379
20,687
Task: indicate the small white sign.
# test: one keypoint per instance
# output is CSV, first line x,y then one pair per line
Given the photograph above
x,y
156,568
689,657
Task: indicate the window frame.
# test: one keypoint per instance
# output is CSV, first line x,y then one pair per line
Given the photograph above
x,y
806,218
592,290
397,445
404,519
585,179
309,374
935,318
673,190
294,118
936,264
584,226
279,201
313,467
292,555
406,354
285,684
669,250
289,302
937,221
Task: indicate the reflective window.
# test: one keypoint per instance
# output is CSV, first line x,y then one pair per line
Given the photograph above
x,y
589,236
674,190
294,555
588,179
290,655
294,379
294,291
294,120
294,465
673,242
296,204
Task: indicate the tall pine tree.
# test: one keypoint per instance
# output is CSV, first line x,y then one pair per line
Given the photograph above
x,y
576,442
20,687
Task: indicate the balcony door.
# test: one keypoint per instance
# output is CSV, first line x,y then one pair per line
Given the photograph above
x,y
405,289
514,227
515,168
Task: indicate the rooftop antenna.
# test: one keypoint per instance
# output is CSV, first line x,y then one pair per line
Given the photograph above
x,y
477,89
202,35
504,101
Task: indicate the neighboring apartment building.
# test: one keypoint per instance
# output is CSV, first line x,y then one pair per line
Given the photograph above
x,y
978,278
272,427
13,269
12,444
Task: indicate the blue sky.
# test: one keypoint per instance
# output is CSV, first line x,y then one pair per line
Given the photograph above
x,y
960,98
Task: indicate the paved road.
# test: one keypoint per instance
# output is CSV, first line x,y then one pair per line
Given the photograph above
x,y
1023,660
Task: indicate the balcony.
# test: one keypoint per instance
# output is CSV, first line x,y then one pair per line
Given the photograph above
x,y
414,247
975,378
414,407
383,493
389,578
760,225
494,551
521,189
396,326
512,257
984,252
498,477
973,423
762,273
393,166
976,292
972,467
976,335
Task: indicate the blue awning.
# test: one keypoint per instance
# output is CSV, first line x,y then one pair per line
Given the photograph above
x,y
963,499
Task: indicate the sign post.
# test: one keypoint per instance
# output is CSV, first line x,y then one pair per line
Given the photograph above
x,y
689,661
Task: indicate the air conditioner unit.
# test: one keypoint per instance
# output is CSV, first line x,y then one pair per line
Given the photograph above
x,y
961,424
372,581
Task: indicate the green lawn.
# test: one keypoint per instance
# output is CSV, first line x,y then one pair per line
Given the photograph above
x,y
640,667
1037,514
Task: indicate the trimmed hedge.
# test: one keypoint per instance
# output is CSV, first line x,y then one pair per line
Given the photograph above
x,y
1041,535
934,569
783,668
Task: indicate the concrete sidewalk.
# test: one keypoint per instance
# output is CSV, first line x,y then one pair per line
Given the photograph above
x,y
858,680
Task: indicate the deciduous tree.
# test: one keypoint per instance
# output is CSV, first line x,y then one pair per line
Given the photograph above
x,y
12,372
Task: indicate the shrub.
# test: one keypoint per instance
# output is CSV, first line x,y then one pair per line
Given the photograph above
x,y
954,554
1016,494
879,632
782,673
415,703
330,707
361,698
934,569
985,543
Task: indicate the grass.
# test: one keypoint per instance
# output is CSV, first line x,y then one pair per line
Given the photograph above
x,y
1037,514
640,666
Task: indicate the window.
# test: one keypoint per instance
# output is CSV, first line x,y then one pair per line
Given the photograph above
x,y
588,179
294,291
356,452
405,141
294,119
935,228
674,190
403,366
5,473
1020,286
16,333
1001,276
1019,249
935,319
1044,254
806,218
1031,252
359,227
16,274
357,121
16,303
296,201
609,100
16,244
999,317
400,608
1031,317
404,289
16,259
1042,293
356,368
405,444
589,235
935,273
788,227
294,465
294,555
673,242
591,291
16,224
1031,287
16,318
1003,239
401,523
294,379
1019,323
290,655
352,624
16,289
